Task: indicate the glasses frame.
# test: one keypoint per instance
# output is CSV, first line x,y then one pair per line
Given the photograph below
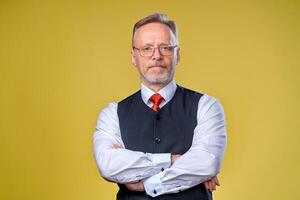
x,y
171,46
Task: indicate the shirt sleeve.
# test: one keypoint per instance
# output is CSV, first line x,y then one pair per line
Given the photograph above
x,y
122,165
203,160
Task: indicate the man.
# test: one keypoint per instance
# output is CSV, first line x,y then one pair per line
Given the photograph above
x,y
164,141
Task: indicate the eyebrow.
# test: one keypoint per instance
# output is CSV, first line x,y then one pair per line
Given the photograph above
x,y
150,44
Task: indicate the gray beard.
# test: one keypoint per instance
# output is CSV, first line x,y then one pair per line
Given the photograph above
x,y
163,80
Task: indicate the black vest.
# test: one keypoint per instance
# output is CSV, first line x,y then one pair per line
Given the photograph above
x,y
170,130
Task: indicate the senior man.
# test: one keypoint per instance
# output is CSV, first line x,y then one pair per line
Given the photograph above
x,y
164,141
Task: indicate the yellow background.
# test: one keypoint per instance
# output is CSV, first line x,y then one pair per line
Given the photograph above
x,y
61,62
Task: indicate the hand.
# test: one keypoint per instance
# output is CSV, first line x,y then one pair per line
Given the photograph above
x,y
212,183
139,186
174,157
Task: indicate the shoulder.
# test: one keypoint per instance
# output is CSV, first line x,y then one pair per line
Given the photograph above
x,y
204,98
209,101
189,93
130,97
108,111
205,101
210,106
113,106
111,110
126,103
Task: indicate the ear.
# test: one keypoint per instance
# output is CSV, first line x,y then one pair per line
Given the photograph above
x,y
133,58
178,56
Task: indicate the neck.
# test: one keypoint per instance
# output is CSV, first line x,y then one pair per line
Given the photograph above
x,y
155,87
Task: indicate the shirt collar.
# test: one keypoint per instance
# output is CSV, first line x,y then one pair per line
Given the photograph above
x,y
166,92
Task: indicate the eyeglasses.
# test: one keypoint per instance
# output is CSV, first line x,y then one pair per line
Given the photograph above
x,y
165,50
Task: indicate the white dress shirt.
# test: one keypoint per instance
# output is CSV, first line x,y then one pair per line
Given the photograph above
x,y
200,163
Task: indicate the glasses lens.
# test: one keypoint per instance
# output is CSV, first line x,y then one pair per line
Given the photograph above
x,y
166,50
163,50
147,51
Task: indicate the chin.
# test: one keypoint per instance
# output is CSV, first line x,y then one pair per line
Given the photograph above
x,y
158,80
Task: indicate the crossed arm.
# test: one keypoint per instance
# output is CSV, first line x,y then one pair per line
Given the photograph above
x,y
139,186
142,171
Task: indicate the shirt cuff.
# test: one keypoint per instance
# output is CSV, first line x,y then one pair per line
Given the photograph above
x,y
161,160
153,185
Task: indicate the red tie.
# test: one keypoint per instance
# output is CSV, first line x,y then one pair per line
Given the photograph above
x,y
156,99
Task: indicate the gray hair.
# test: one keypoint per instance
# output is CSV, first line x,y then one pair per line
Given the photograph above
x,y
156,17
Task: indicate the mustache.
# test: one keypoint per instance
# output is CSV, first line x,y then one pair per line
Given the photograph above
x,y
157,63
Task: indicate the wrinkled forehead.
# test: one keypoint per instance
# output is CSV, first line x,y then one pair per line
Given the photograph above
x,y
154,33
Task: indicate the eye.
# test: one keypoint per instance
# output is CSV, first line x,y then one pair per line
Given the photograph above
x,y
166,48
147,49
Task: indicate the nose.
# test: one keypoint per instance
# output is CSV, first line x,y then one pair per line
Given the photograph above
x,y
156,54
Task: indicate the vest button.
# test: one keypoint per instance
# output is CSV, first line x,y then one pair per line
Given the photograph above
x,y
157,140
157,117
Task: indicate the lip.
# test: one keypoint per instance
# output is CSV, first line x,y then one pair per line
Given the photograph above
x,y
160,66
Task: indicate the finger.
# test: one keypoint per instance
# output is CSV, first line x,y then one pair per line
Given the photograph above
x,y
217,181
132,187
128,186
206,185
213,185
135,186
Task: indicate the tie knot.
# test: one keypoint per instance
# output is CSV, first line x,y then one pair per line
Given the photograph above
x,y
156,99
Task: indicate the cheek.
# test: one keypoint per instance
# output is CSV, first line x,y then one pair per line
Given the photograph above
x,y
141,64
170,62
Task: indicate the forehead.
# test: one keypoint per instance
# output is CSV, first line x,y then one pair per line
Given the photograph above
x,y
154,33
